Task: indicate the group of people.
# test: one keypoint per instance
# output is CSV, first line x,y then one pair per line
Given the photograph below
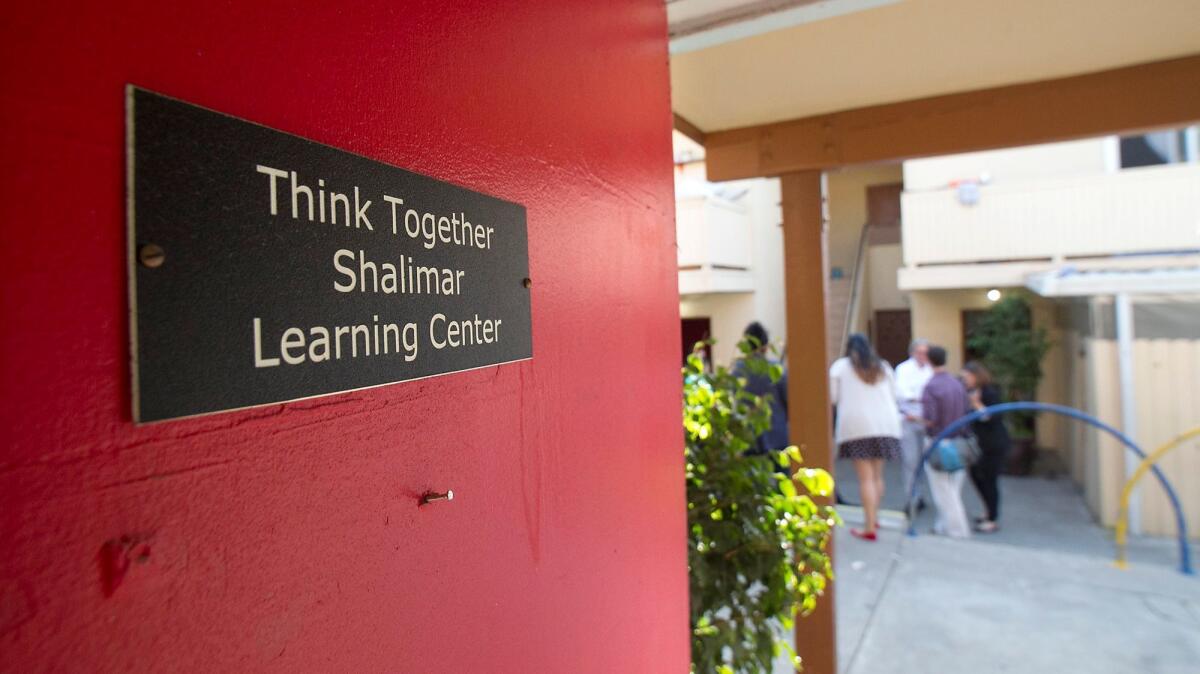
x,y
884,414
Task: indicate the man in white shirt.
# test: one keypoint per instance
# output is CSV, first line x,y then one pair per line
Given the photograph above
x,y
911,377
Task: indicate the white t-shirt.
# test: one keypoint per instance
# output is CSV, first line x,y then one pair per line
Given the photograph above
x,y
863,410
911,379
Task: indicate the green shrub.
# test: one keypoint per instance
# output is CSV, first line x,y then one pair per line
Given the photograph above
x,y
757,548
1012,350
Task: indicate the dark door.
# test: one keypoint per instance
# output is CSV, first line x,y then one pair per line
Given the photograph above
x,y
696,330
883,212
970,320
883,204
893,332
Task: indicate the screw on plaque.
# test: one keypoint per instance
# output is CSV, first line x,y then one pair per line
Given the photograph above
x,y
151,255
528,282
431,496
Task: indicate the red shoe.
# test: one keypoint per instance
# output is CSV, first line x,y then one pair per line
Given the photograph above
x,y
864,535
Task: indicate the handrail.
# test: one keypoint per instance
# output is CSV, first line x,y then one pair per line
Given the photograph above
x,y
1185,557
1127,491
856,282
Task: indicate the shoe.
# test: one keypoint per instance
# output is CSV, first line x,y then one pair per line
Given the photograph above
x,y
864,535
986,527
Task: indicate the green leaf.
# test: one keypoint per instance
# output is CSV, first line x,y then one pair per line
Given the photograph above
x,y
787,486
816,481
747,525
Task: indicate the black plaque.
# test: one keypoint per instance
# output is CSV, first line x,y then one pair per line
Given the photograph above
x,y
234,305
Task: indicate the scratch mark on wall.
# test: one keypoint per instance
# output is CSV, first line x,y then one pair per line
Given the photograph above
x,y
531,478
167,474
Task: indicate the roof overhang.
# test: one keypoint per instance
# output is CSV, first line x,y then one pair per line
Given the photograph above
x,y
852,54
701,24
1072,282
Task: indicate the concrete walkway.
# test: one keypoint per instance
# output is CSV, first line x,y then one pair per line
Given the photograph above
x,y
1040,596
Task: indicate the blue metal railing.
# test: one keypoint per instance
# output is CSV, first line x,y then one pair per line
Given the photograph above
x,y
1185,557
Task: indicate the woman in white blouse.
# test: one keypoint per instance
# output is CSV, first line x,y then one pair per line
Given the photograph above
x,y
863,388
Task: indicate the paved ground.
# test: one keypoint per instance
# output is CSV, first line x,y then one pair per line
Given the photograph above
x,y
1037,512
1040,596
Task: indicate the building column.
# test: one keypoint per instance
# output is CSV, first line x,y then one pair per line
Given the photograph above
x,y
1123,317
808,379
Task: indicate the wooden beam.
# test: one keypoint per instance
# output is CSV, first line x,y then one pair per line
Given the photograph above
x,y
1131,99
808,377
682,125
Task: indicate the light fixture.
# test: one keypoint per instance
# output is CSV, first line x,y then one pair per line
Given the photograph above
x,y
993,295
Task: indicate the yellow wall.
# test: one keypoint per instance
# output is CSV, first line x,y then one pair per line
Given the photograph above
x,y
1074,435
882,292
847,202
1165,375
1104,461
937,316
1052,388
848,207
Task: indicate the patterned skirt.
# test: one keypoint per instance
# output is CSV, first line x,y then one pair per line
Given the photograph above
x,y
884,448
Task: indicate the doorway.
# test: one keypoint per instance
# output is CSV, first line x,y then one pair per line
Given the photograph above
x,y
696,330
893,333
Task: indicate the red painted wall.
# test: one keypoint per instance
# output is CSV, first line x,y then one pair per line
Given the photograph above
x,y
287,538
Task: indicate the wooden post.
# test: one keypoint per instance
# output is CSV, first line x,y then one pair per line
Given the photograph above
x,y
808,376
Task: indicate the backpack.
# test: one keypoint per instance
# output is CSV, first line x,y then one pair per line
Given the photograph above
x,y
953,454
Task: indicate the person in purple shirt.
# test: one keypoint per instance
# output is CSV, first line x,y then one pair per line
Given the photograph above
x,y
943,402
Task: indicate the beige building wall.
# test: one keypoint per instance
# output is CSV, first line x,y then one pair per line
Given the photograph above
x,y
1013,165
884,262
770,306
1153,205
730,313
847,192
1053,387
1074,437
937,316
1167,404
847,195
1165,373
1104,458
847,205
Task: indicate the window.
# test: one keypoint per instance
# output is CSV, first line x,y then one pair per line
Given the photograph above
x,y
1160,147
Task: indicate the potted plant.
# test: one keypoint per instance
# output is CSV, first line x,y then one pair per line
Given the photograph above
x,y
1013,349
757,542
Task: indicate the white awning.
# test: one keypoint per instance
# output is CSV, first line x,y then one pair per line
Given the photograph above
x,y
1073,282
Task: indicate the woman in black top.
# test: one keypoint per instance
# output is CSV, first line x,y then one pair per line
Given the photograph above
x,y
993,440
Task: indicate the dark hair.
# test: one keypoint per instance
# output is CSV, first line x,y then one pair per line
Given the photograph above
x,y
981,374
937,356
757,333
864,359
